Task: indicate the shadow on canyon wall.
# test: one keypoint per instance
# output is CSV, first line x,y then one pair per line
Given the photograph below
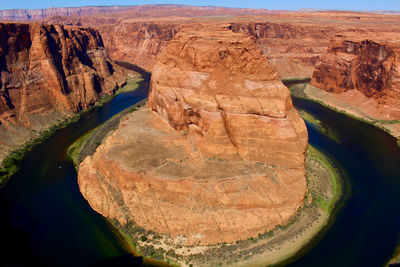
x,y
43,198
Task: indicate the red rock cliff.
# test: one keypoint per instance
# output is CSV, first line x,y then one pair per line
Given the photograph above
x,y
294,42
227,93
293,50
137,42
370,67
46,73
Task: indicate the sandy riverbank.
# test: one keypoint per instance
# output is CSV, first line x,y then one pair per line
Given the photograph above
x,y
351,103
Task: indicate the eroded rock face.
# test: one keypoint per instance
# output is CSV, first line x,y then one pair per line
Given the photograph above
x,y
47,72
137,42
226,93
219,154
293,50
369,67
293,42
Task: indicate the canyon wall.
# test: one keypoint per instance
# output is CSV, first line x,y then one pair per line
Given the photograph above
x,y
296,43
293,50
217,156
137,42
371,68
47,73
222,92
293,42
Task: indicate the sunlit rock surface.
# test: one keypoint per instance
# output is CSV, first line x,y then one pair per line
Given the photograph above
x,y
217,156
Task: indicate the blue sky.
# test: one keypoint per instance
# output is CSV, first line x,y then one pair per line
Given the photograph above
x,y
268,4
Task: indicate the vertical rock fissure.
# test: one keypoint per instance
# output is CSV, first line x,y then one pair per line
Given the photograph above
x,y
226,125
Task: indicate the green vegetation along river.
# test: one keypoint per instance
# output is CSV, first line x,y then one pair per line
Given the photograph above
x,y
366,228
45,220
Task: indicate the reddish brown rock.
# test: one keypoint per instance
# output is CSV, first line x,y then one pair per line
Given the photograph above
x,y
137,42
367,66
220,159
48,72
294,42
293,50
224,91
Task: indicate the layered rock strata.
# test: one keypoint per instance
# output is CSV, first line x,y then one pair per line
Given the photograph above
x,y
358,71
293,50
47,73
224,90
217,157
294,42
137,42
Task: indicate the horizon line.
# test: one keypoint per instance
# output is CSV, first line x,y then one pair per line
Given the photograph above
x,y
306,9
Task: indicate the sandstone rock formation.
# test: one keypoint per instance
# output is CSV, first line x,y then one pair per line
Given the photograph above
x,y
136,41
362,67
222,90
47,72
294,42
293,50
218,156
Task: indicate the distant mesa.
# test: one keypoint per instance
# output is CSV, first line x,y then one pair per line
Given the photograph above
x,y
133,10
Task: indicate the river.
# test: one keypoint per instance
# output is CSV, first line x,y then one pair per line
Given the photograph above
x,y
366,229
45,220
